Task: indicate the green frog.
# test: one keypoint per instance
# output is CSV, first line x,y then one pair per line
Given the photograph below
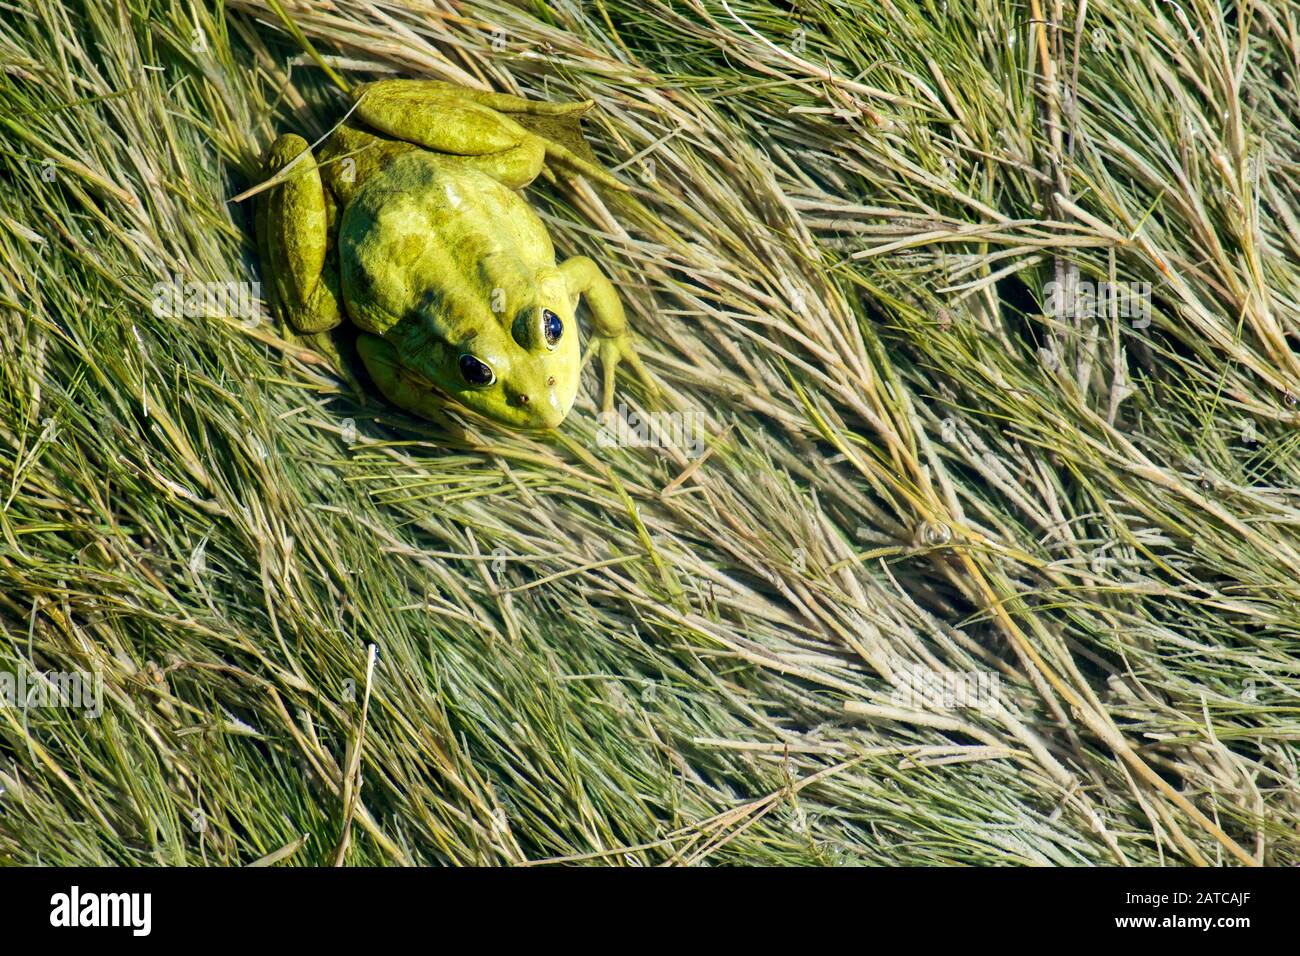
x,y
407,224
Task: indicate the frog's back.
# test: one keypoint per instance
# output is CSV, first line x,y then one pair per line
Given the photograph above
x,y
426,221
463,205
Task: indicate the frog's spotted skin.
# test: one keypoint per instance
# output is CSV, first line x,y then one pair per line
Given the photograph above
x,y
407,223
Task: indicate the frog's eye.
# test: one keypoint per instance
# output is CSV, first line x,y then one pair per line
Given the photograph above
x,y
552,328
475,372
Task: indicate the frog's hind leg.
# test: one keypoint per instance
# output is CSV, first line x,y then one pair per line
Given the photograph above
x,y
293,223
515,167
471,123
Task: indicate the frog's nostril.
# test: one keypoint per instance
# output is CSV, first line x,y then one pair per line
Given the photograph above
x,y
550,382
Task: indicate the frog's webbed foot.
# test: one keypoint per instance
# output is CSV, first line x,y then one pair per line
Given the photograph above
x,y
507,136
612,338
614,349
292,224
399,386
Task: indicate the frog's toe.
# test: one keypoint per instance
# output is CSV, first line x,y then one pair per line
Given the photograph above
x,y
634,359
565,109
509,103
613,350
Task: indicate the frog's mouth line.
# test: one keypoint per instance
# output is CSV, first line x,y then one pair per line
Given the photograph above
x,y
418,380
456,405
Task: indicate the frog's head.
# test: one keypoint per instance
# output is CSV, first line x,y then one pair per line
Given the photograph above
x,y
517,364
523,373
446,268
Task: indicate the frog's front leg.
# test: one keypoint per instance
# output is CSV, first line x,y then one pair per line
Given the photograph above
x,y
293,229
474,124
398,385
612,339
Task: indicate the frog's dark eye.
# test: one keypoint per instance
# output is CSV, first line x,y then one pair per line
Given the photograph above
x,y
552,328
475,372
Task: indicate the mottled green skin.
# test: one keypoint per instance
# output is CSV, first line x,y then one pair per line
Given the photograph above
x,y
407,223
